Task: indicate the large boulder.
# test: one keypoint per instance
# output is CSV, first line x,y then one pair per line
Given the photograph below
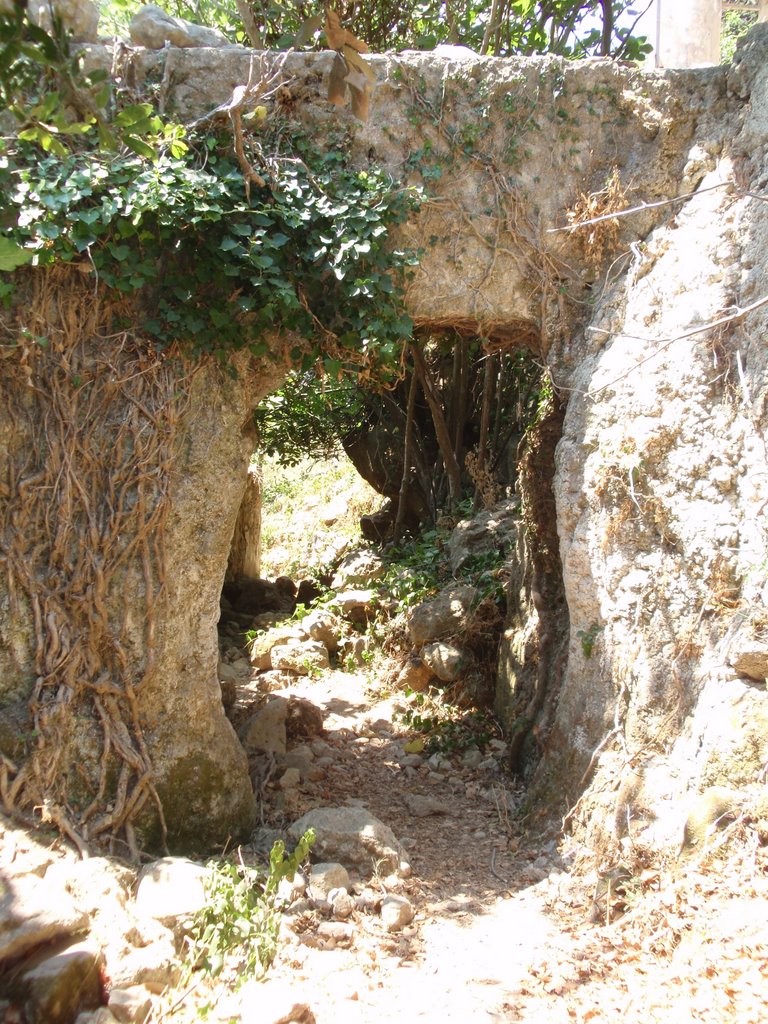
x,y
153,27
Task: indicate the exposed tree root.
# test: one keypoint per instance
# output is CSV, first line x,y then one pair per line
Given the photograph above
x,y
81,519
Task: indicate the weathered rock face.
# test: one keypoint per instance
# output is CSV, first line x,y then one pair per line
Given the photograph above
x,y
126,696
661,470
661,490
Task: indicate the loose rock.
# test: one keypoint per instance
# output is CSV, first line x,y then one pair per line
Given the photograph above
x,y
266,729
354,836
324,878
152,27
396,912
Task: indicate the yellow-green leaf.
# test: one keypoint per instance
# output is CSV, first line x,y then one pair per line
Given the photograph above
x,y
12,255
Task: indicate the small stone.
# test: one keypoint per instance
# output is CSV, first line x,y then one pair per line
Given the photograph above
x,y
339,931
415,675
276,1002
351,835
324,627
290,778
302,657
410,760
290,890
170,888
444,660
266,729
62,985
471,758
130,1005
424,806
356,604
358,568
396,912
153,28
324,878
445,614
341,903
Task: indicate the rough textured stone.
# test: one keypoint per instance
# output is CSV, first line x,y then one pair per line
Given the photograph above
x,y
659,486
443,615
60,986
130,1005
358,569
396,912
245,552
415,675
34,912
325,627
276,1002
302,657
79,17
356,605
323,878
266,730
153,27
353,836
424,806
444,660
493,530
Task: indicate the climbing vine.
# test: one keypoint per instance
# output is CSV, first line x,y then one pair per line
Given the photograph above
x,y
133,253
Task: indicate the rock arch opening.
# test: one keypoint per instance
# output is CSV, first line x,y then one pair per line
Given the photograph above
x,y
503,423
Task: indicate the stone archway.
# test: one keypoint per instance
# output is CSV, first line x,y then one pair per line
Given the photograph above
x,y
508,146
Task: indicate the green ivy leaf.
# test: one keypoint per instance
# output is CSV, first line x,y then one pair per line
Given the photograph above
x,y
12,255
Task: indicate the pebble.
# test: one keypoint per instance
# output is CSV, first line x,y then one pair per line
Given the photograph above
x,y
396,913
342,903
290,778
410,760
339,931
130,1005
472,758
324,878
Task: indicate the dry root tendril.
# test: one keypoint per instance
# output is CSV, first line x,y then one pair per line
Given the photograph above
x,y
83,514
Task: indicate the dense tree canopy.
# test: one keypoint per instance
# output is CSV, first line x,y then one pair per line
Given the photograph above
x,y
498,27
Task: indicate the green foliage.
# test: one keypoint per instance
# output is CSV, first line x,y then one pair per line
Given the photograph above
x,y
212,268
309,414
237,929
418,567
571,28
588,637
735,25
447,729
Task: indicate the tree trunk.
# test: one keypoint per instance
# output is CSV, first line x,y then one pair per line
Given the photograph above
x,y
407,458
441,428
245,552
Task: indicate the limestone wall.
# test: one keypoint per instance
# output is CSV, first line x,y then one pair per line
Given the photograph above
x,y
661,469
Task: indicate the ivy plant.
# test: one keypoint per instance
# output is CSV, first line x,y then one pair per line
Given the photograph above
x,y
164,216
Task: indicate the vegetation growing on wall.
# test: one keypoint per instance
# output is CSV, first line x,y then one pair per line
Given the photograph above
x,y
132,252
571,28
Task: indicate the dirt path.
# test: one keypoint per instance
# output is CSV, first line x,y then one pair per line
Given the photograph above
x,y
502,932
481,896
